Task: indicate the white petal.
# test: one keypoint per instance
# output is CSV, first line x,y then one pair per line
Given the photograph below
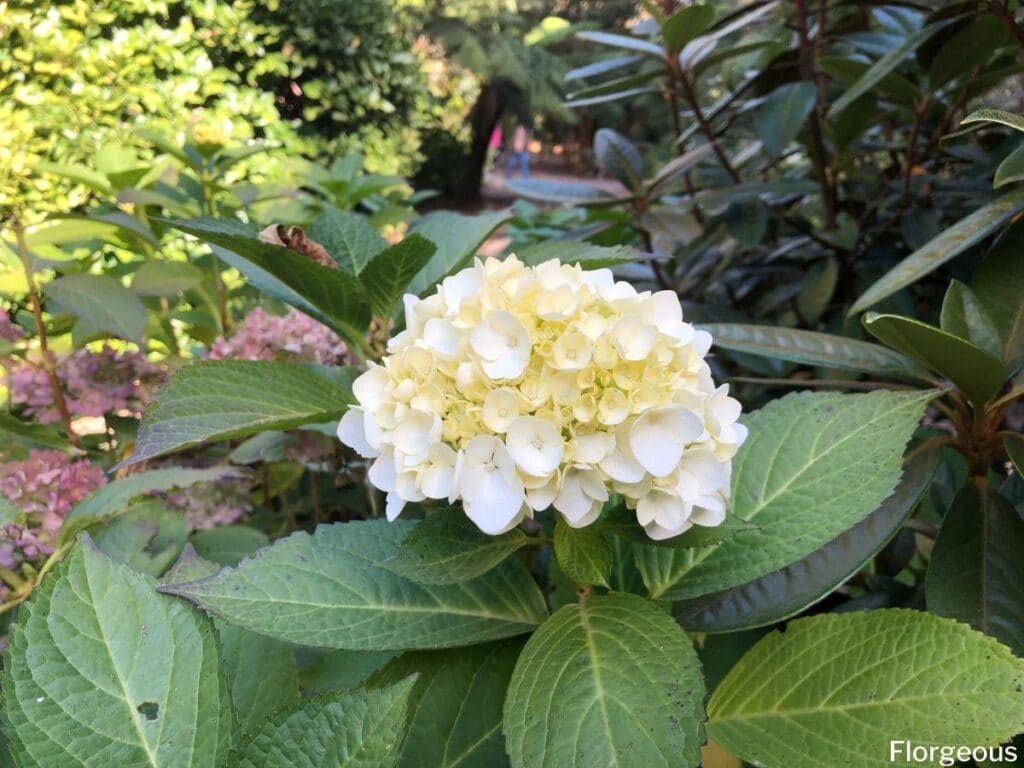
x,y
710,515
536,445
659,436
511,366
491,502
352,433
382,473
662,512
394,506
437,478
370,388
621,464
442,337
541,498
415,432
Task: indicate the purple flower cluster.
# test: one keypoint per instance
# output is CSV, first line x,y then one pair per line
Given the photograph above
x,y
43,488
294,336
209,505
95,384
8,330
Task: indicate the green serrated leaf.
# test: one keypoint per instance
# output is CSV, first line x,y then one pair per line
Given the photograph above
x,y
222,399
814,465
584,556
975,574
974,371
780,118
101,302
950,242
455,707
457,238
788,591
121,674
348,237
389,273
227,544
147,538
447,548
361,729
836,689
609,681
327,590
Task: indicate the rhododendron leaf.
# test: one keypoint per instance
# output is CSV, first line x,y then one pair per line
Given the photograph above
x,y
789,590
815,464
388,274
330,295
455,709
131,677
609,681
457,238
327,590
447,548
342,730
844,685
587,255
348,237
975,574
584,556
113,498
221,399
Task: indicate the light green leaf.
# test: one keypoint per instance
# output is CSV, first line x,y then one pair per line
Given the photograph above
x,y
608,681
147,538
101,670
949,243
327,590
457,238
685,24
389,273
619,158
975,574
789,590
113,498
101,302
884,66
779,119
361,729
583,554
227,544
223,399
623,41
165,278
79,174
963,315
814,465
569,192
835,689
330,295
1011,169
348,237
975,372
587,255
447,548
455,708
995,116
812,348
999,285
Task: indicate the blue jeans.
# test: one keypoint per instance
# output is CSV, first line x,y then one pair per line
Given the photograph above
x,y
523,158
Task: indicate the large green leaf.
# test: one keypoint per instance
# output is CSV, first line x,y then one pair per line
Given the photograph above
x,y
812,348
455,707
836,689
1000,116
608,681
976,574
965,316
327,590
974,371
685,24
359,729
101,671
148,537
330,295
165,278
222,399
789,590
623,41
101,302
587,255
388,275
457,238
113,497
943,247
348,237
1011,169
619,158
447,548
584,556
999,285
552,191
779,119
815,464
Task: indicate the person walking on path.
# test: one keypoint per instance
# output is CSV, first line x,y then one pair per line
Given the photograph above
x,y
494,146
519,153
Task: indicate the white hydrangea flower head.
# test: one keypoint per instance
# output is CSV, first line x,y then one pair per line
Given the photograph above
x,y
516,388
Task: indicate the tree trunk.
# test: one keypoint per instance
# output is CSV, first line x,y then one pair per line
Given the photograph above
x,y
483,117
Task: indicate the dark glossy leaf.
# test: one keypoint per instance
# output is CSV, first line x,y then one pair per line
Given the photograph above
x,y
790,590
963,315
618,157
1010,170
976,573
816,291
975,372
999,285
685,24
388,275
779,119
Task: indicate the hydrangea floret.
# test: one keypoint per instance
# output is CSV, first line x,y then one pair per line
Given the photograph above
x,y
517,388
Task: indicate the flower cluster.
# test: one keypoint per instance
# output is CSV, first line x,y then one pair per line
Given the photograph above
x,y
296,335
42,488
210,505
8,330
516,388
96,383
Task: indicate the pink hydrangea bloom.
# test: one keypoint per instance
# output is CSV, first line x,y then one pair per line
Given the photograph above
x,y
209,505
295,336
95,384
8,330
